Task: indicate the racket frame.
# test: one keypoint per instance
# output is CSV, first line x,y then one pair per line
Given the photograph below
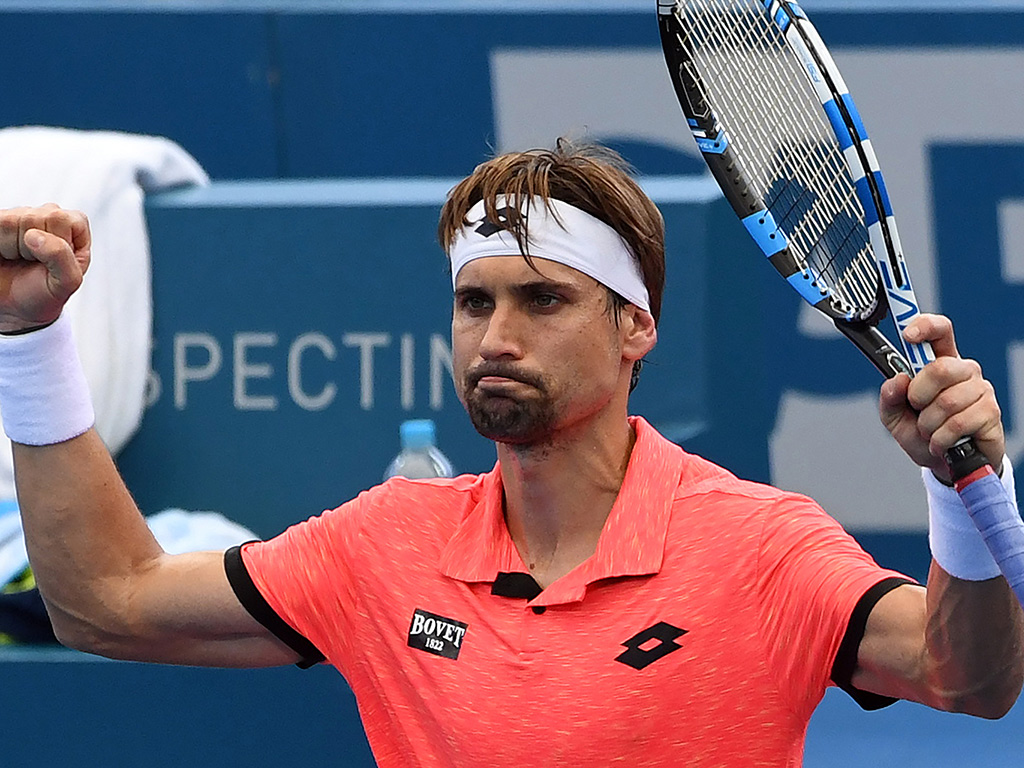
x,y
894,288
896,292
987,502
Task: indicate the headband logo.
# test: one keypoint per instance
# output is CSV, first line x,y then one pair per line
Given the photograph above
x,y
488,227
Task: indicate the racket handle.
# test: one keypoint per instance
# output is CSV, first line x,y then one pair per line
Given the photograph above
x,y
992,510
964,458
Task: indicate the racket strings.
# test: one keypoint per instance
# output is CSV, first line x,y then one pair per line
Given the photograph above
x,y
778,132
840,254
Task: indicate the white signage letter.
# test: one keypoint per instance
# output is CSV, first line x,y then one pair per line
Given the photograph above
x,y
440,361
366,343
245,370
326,395
183,373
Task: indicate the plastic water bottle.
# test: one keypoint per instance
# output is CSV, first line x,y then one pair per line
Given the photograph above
x,y
420,456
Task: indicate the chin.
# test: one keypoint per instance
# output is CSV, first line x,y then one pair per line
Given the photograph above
x,y
511,422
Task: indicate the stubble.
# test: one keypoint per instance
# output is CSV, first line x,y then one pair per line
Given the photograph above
x,y
521,418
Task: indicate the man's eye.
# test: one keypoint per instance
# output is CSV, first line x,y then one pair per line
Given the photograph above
x,y
545,300
473,303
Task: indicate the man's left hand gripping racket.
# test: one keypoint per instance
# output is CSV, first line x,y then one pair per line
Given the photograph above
x,y
781,135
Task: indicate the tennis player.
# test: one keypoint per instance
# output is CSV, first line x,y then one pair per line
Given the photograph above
x,y
601,596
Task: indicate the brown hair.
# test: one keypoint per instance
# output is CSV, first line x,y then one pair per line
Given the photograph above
x,y
588,176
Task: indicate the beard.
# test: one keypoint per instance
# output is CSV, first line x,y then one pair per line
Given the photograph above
x,y
515,419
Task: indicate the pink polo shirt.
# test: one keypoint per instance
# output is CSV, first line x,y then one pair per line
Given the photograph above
x,y
702,632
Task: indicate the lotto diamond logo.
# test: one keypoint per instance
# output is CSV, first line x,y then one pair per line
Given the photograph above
x,y
488,228
645,648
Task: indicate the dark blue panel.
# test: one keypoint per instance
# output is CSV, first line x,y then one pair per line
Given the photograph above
x,y
379,94
672,392
907,553
919,28
76,711
201,80
367,93
984,303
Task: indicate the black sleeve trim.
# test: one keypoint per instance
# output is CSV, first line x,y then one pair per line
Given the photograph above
x,y
251,599
846,657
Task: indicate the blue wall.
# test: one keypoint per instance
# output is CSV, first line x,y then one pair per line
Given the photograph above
x,y
67,709
337,89
419,95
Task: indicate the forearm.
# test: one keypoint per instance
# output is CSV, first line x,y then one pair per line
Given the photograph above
x,y
108,586
974,644
959,644
86,539
973,630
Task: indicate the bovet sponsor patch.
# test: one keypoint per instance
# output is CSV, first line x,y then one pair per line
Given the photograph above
x,y
435,634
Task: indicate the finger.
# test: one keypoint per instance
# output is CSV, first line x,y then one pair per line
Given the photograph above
x,y
901,420
72,227
10,233
57,222
81,239
951,401
936,330
969,409
943,373
977,421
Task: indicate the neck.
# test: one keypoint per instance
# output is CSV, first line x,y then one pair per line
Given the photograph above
x,y
558,494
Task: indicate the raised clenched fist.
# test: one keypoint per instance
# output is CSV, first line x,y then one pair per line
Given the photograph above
x,y
44,253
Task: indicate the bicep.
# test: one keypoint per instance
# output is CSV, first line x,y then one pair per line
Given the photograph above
x,y
187,613
891,655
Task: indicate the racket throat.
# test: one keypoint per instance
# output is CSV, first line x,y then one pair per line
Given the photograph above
x,y
869,340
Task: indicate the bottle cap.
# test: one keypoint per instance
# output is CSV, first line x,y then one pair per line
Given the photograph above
x,y
416,433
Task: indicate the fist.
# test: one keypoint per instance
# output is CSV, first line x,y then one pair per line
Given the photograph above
x,y
948,400
44,253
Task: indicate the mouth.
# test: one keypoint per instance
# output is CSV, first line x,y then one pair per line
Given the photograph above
x,y
498,384
497,381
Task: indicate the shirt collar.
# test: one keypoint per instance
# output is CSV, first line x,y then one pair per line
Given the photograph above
x,y
632,542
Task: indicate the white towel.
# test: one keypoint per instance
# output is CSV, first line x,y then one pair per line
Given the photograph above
x,y
106,175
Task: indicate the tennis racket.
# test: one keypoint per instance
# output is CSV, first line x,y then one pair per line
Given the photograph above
x,y
777,127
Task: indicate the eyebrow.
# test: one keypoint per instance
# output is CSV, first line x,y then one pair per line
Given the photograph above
x,y
540,286
529,287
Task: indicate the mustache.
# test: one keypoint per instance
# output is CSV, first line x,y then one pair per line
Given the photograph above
x,y
504,370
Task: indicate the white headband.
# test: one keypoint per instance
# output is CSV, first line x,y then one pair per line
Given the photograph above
x,y
570,237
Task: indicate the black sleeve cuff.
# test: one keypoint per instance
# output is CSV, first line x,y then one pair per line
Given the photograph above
x,y
846,658
251,599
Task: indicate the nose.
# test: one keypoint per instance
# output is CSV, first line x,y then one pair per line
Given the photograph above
x,y
503,336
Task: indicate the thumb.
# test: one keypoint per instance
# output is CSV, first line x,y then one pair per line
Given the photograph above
x,y
64,270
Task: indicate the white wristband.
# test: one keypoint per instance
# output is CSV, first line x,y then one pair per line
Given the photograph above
x,y
44,397
953,538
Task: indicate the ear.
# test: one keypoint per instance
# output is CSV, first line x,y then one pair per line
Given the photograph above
x,y
639,333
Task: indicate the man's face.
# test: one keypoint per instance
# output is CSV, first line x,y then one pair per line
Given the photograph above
x,y
533,352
